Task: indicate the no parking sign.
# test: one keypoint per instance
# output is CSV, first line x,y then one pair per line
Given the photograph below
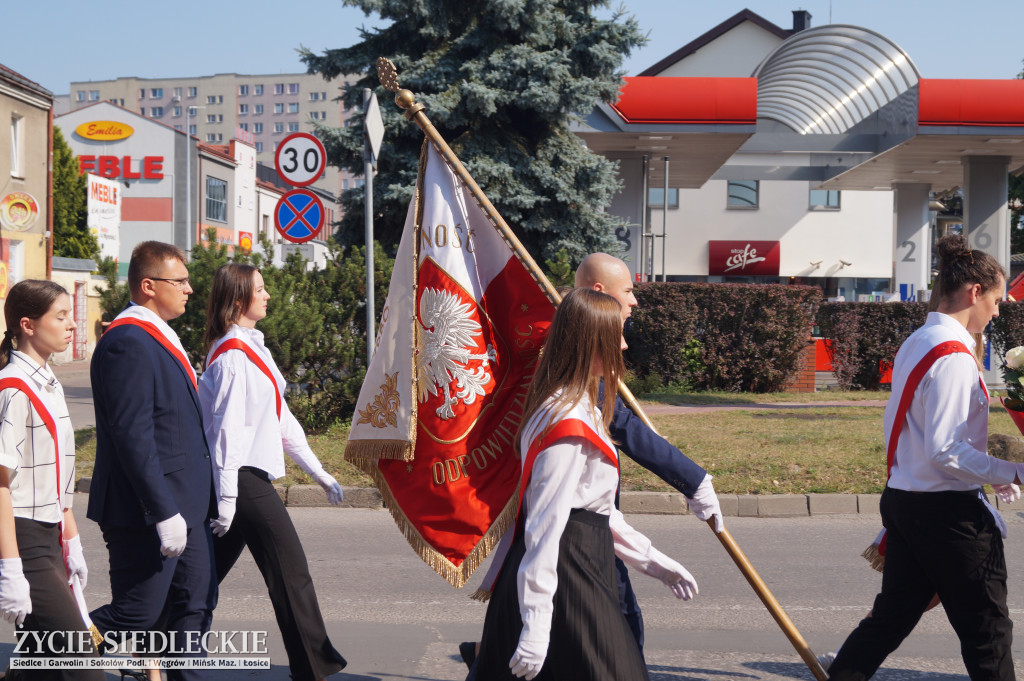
x,y
299,215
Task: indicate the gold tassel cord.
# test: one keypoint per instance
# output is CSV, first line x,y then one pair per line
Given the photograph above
x,y
371,450
872,555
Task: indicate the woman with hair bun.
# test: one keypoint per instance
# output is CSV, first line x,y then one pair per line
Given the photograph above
x,y
555,612
40,549
942,536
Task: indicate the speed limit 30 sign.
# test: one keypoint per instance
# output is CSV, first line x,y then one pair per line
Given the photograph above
x,y
300,159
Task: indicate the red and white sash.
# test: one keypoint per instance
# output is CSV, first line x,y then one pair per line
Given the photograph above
x,y
134,316
233,340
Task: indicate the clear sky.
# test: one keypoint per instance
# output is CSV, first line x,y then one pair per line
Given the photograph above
x,y
54,42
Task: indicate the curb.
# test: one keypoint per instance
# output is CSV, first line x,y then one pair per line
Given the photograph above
x,y
654,503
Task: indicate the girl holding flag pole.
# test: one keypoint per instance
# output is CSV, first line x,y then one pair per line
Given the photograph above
x,y
250,428
40,549
555,612
942,537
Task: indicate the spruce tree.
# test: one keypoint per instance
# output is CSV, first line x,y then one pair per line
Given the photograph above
x,y
501,80
71,235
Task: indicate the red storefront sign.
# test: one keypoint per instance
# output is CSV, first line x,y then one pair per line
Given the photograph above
x,y
743,258
112,167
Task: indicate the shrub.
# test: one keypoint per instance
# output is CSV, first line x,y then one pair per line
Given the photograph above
x,y
735,337
865,338
1007,330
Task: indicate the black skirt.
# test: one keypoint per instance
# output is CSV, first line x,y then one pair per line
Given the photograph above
x,y
590,638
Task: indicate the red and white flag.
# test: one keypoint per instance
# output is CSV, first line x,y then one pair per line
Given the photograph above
x,y
438,412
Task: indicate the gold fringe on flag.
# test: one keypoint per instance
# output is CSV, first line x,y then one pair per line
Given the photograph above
x,y
371,450
872,555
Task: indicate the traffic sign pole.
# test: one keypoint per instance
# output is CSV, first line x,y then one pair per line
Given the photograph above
x,y
368,162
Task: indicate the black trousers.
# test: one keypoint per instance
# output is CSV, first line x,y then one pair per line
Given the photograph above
x,y
53,606
262,523
150,592
945,543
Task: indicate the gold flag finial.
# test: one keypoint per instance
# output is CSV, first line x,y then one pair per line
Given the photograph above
x,y
387,73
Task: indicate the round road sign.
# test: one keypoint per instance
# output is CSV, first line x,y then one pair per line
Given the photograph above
x,y
300,159
299,215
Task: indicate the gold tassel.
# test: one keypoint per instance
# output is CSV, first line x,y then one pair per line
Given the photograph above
x,y
360,450
872,555
482,595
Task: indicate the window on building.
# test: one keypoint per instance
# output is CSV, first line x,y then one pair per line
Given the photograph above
x,y
142,110
823,199
156,93
17,146
278,88
656,197
211,99
142,93
94,96
279,108
177,92
211,118
243,109
210,137
258,109
323,96
257,128
244,126
344,185
192,111
278,127
192,92
177,111
259,147
156,112
293,88
314,115
220,137
192,130
743,194
314,96
243,90
220,99
220,118
216,199
293,127
276,145
257,89
293,107
360,183
323,115
80,96
179,128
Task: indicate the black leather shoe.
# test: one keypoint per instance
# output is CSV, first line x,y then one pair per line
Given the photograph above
x,y
467,649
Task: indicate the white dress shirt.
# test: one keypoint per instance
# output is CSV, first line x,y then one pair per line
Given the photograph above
x,y
240,416
943,445
26,447
571,473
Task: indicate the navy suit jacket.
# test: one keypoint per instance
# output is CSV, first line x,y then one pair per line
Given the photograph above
x,y
653,452
152,460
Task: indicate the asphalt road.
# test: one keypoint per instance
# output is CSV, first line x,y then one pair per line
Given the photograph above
x,y
393,618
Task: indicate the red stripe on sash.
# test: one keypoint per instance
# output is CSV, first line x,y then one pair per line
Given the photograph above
x,y
236,344
44,413
153,331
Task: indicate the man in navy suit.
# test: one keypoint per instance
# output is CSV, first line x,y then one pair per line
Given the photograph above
x,y
152,491
607,274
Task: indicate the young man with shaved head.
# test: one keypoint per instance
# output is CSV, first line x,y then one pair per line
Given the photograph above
x,y
607,274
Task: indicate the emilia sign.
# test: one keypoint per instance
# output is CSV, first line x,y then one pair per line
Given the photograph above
x,y
104,131
743,258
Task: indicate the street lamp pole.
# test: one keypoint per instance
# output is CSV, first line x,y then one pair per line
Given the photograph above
x,y
189,113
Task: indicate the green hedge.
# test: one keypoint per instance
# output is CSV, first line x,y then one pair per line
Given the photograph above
x,y
734,337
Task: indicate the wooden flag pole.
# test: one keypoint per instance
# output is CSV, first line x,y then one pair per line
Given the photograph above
x,y
406,100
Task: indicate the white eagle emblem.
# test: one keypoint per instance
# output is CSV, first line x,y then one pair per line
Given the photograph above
x,y
446,333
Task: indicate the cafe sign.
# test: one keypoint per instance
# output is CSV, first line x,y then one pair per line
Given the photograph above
x,y
743,258
104,131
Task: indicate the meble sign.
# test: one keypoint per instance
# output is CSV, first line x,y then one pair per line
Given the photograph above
x,y
104,131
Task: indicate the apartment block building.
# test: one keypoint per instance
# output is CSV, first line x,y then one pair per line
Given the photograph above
x,y
271,107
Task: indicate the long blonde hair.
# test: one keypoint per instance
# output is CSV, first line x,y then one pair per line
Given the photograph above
x,y
587,326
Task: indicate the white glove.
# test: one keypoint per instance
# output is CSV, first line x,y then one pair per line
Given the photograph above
x,y
15,601
1007,493
672,574
529,656
704,503
330,485
226,513
173,535
75,561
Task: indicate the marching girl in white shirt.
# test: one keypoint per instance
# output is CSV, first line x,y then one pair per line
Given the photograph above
x,y
250,428
942,536
40,550
554,612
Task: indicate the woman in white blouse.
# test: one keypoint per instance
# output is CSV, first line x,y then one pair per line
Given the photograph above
x,y
249,429
941,534
40,550
554,612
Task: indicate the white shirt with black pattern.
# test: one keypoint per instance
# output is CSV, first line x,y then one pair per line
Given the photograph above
x,y
26,447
